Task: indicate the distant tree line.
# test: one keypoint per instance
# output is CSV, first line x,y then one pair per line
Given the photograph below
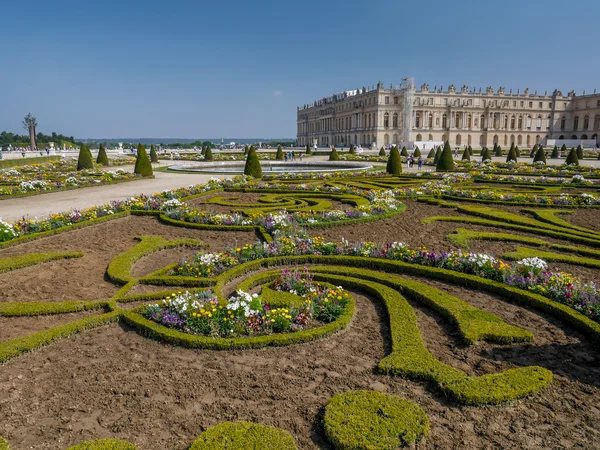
x,y
17,140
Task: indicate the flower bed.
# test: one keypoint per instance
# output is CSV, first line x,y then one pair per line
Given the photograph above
x,y
247,314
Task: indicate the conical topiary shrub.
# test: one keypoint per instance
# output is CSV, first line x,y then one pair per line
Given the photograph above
x,y
102,156
445,161
572,158
246,149
498,151
279,155
436,157
486,154
334,156
512,155
308,150
517,152
555,153
563,150
466,156
208,156
417,152
404,152
252,167
352,150
143,166
382,152
470,150
533,151
540,156
85,160
579,152
394,164
153,154
431,153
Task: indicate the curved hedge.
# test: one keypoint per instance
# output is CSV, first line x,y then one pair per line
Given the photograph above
x,y
244,436
104,444
32,259
4,444
370,420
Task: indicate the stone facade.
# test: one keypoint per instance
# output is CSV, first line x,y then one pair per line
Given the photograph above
x,y
385,116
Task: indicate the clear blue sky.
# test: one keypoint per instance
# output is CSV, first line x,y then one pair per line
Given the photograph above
x,y
193,69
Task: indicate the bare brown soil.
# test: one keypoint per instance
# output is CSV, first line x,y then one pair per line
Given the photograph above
x,y
113,382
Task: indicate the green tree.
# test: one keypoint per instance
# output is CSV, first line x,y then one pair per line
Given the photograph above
x,y
208,155
540,156
572,158
533,151
517,152
404,152
512,155
470,150
334,156
486,154
555,153
417,152
102,156
143,166
279,155
445,161
153,154
431,154
394,164
245,149
382,152
498,151
85,160
563,150
436,157
252,167
579,152
466,156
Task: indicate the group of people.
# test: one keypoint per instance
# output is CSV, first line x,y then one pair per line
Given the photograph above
x,y
410,161
291,156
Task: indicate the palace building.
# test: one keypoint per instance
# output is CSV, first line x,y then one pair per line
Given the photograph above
x,y
379,116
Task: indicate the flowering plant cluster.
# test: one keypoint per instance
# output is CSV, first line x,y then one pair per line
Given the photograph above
x,y
245,314
7,231
54,175
520,197
525,168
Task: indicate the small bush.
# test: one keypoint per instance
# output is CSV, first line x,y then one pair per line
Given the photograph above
x,y
352,150
279,154
540,156
436,157
372,420
533,151
85,160
579,152
382,152
404,152
498,151
394,164
466,156
517,152
244,436
512,155
334,156
572,157
102,156
208,156
431,154
153,154
470,150
563,150
252,166
417,152
555,153
104,444
308,150
143,166
445,161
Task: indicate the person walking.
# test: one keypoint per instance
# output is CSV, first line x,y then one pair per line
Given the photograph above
x,y
420,162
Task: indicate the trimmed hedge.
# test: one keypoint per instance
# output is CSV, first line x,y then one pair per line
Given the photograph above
x,y
279,155
14,347
153,154
18,309
244,436
143,166
371,420
445,161
104,444
85,160
524,252
252,167
334,156
8,163
102,156
4,444
18,262
119,269
466,156
572,158
394,163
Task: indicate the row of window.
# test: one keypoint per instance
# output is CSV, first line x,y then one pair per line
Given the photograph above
x,y
586,123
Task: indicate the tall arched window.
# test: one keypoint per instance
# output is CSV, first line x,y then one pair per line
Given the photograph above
x,y
520,122
505,140
395,120
469,140
430,120
512,139
495,139
431,137
457,120
597,123
537,139
519,140
417,120
586,122
538,122
576,123
528,141
481,142
496,120
512,122
444,121
395,139
419,138
482,121
469,121
563,121
386,139
458,139
386,121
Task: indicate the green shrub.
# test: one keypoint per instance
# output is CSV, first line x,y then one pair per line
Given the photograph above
x,y
32,259
153,154
404,152
431,153
417,152
466,156
517,152
486,154
104,444
445,161
498,151
512,155
555,153
371,420
85,160
4,444
334,156
394,163
143,166
382,152
352,150
308,150
563,150
279,155
102,156
540,156
436,157
208,156
244,436
470,150
246,149
572,157
252,167
579,152
533,151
